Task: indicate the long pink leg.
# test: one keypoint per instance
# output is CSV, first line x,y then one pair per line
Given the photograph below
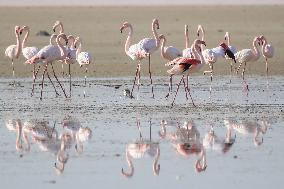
x,y
86,71
188,90
266,67
45,68
57,94
150,74
239,68
34,78
170,86
58,80
185,89
177,91
139,76
231,71
69,70
135,78
246,89
13,71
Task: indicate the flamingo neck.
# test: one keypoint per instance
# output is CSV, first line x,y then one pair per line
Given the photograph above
x,y
155,33
61,47
128,39
130,164
200,28
198,54
163,54
156,166
18,50
263,46
256,50
25,38
186,38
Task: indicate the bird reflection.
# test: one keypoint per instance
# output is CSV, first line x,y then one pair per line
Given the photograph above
x,y
212,141
257,129
187,142
141,148
78,133
15,125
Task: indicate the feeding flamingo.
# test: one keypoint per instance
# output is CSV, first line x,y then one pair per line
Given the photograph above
x,y
48,54
144,48
267,51
13,51
248,55
186,66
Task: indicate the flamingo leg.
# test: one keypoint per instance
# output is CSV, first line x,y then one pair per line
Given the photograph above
x,y
62,69
150,74
139,76
13,72
137,70
45,68
34,78
58,80
188,90
266,66
185,89
211,79
177,90
86,71
239,68
231,71
69,72
57,94
243,73
170,86
246,89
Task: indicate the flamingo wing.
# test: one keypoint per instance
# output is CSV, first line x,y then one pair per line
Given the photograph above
x,y
11,51
84,58
269,51
29,52
149,45
244,55
187,53
218,51
173,52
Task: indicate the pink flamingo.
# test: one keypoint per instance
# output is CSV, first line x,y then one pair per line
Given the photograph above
x,y
186,66
170,52
83,58
13,51
233,49
144,48
267,51
48,54
187,52
248,55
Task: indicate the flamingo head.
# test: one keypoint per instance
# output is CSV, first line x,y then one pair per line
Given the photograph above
x,y
17,30
71,38
199,28
56,24
226,35
162,37
262,39
124,25
35,59
156,22
186,28
24,28
200,42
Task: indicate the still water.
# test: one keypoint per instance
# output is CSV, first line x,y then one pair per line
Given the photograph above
x,y
107,140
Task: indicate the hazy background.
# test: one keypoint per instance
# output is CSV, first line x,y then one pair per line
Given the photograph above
x,y
136,2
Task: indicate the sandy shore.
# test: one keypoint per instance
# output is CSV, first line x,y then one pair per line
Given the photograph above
x,y
99,29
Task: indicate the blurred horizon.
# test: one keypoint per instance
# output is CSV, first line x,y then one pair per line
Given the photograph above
x,y
134,2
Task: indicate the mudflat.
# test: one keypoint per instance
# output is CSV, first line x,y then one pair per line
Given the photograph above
x,y
99,29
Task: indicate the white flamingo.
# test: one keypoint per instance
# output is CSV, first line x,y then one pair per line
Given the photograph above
x,y
248,55
168,52
249,127
144,48
267,51
48,54
13,51
187,52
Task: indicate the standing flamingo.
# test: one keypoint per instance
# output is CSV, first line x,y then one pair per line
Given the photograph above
x,y
187,52
13,51
248,55
48,54
267,51
141,50
186,66
233,49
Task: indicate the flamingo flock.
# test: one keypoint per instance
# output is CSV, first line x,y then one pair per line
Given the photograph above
x,y
67,49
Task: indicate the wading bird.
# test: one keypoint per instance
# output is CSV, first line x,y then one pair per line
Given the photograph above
x,y
267,51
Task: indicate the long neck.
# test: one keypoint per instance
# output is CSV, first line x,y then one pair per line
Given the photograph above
x,y
128,39
79,49
197,54
228,38
18,138
155,33
156,166
256,50
18,50
263,46
25,39
61,47
202,37
186,38
130,164
163,54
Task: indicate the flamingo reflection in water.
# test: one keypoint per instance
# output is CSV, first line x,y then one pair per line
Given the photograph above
x,y
187,142
78,133
15,125
140,149
257,129
223,145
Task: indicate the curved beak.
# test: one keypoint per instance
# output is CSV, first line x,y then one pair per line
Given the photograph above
x,y
53,29
121,29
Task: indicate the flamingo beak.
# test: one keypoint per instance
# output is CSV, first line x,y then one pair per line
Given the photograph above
x,y
53,29
198,34
225,38
81,66
158,26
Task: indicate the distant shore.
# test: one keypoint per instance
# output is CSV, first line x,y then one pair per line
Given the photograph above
x,y
99,29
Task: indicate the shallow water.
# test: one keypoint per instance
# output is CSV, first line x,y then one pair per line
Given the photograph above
x,y
115,121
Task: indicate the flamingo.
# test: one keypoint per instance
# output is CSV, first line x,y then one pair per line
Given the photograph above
x,y
233,49
144,48
15,126
249,127
13,51
186,141
48,54
186,66
139,149
83,58
267,51
170,52
248,55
